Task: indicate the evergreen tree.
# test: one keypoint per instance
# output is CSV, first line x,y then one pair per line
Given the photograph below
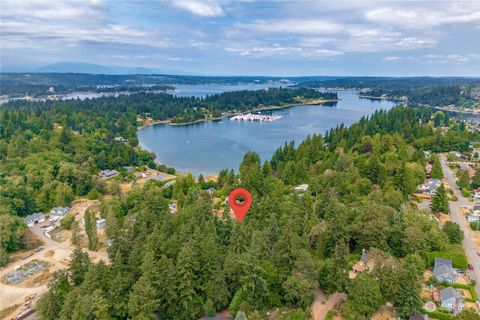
x,y
405,180
79,266
453,231
440,201
437,172
91,229
188,300
408,296
365,298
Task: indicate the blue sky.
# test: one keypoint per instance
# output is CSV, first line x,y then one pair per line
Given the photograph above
x,y
247,37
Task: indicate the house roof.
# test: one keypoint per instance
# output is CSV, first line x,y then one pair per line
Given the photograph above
x,y
443,261
449,293
443,270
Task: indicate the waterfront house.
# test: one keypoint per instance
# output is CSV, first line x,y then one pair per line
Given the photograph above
x,y
443,271
34,218
451,299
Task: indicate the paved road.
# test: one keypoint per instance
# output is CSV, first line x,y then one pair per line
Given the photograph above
x,y
468,243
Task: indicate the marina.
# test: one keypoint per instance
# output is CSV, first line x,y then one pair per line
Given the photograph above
x,y
255,117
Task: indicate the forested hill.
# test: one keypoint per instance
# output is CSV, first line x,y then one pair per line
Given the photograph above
x,y
194,263
461,92
162,106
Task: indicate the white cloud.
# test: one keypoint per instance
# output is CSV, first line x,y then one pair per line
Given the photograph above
x,y
208,8
444,13
435,58
276,50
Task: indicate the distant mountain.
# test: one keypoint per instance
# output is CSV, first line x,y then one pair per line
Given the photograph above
x,y
83,67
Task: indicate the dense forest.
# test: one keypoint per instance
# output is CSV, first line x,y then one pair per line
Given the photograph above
x,y
194,263
421,90
162,106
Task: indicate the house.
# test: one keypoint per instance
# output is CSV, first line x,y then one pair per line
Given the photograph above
x,y
120,139
466,167
172,206
451,299
101,223
169,183
108,173
476,194
476,210
34,218
301,188
365,263
127,168
211,191
431,186
443,271
418,317
139,175
58,213
473,218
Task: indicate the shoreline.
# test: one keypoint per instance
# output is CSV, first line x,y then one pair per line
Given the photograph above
x,y
286,106
457,110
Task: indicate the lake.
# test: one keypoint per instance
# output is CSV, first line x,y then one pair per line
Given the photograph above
x,y
209,147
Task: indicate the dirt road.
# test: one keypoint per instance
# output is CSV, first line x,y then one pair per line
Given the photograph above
x,y
321,305
61,251
456,215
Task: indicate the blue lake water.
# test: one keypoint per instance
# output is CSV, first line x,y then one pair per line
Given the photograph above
x,y
209,147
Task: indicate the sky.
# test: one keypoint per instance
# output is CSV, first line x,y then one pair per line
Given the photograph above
x,y
246,37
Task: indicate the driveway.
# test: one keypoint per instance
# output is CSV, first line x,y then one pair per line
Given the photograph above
x,y
455,211
321,305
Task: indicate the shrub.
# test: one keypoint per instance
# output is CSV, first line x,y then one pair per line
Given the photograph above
x,y
475,225
419,200
67,221
93,194
465,192
470,288
454,253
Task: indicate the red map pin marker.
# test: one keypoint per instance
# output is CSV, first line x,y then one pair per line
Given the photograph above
x,y
240,200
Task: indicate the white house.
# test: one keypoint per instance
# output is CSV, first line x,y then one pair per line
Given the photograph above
x,y
58,213
34,218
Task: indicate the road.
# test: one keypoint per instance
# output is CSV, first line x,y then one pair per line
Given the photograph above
x,y
468,242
